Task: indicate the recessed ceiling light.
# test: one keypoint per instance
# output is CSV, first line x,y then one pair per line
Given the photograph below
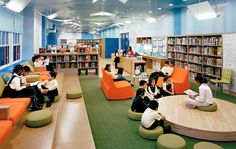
x,y
149,11
184,0
102,13
127,21
123,1
159,8
151,19
171,5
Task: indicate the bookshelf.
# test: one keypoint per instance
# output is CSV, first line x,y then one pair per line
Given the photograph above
x,y
4,48
85,60
197,53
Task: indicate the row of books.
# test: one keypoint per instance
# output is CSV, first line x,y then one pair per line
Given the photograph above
x,y
212,41
87,65
182,41
181,56
195,59
213,61
213,51
195,50
171,41
66,65
84,72
181,64
180,49
193,67
195,40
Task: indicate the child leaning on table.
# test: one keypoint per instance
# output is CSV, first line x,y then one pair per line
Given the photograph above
x,y
47,90
168,87
151,118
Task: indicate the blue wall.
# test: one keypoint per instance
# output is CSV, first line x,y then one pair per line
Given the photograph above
x,y
28,36
87,36
177,21
52,38
43,32
111,45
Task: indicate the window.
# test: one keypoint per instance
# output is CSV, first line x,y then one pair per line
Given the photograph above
x,y
16,46
4,48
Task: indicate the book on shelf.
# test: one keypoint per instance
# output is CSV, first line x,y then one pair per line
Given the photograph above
x,y
190,92
87,58
92,71
87,50
86,65
82,72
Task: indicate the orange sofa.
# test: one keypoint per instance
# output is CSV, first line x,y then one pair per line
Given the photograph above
x,y
180,79
37,70
115,90
17,107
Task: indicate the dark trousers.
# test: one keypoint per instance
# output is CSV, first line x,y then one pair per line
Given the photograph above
x,y
51,95
157,96
155,124
164,93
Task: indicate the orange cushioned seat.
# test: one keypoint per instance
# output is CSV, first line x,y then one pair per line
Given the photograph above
x,y
115,90
16,110
6,128
11,100
179,78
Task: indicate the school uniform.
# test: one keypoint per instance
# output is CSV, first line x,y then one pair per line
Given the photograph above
x,y
154,90
168,87
205,97
116,60
52,90
38,63
169,71
165,70
151,119
138,105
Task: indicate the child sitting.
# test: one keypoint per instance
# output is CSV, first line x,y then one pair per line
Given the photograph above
x,y
139,104
147,96
48,89
168,87
153,89
15,88
151,118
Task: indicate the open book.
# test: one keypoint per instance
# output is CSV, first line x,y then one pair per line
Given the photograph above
x,y
34,83
190,92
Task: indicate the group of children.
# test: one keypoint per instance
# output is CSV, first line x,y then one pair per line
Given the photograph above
x,y
39,92
40,61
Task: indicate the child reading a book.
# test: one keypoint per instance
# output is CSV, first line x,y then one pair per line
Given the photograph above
x,y
153,89
168,87
204,98
139,104
151,118
47,90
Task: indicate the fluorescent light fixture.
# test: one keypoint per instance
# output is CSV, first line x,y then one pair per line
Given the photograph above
x,y
127,21
17,5
151,19
98,23
202,11
102,13
171,5
123,1
94,1
159,8
54,15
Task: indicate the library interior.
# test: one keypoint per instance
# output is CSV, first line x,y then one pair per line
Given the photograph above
x,y
118,74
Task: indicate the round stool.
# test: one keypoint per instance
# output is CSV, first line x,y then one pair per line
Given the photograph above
x,y
73,94
32,78
201,145
57,98
134,115
170,141
38,118
211,108
150,134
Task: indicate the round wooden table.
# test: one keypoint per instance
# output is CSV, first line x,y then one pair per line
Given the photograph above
x,y
214,126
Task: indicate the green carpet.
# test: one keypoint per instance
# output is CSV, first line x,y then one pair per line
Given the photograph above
x,y
111,126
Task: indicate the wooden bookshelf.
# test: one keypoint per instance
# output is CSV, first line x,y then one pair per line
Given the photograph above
x,y
85,60
197,53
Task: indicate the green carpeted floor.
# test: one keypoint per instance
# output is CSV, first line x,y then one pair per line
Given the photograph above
x,y
111,127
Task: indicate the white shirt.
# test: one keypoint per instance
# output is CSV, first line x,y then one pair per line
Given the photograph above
x,y
16,83
23,79
46,62
169,70
150,96
38,64
165,69
205,94
149,116
165,84
51,85
156,90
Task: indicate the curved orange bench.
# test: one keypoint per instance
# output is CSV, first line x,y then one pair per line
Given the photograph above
x,y
180,79
115,90
6,128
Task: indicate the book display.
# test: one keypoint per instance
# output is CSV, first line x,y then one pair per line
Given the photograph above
x,y
198,53
85,60
144,45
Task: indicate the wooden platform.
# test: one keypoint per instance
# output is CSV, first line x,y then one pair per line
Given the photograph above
x,y
214,126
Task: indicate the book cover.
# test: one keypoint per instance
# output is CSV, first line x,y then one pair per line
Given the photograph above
x,y
190,92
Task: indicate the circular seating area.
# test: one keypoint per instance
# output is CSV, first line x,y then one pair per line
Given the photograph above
x,y
38,118
150,134
74,94
134,115
211,108
170,141
202,145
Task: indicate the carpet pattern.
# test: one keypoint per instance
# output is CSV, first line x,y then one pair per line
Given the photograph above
x,y
111,126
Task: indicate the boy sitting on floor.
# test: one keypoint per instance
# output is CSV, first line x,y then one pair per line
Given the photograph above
x,y
47,90
151,118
